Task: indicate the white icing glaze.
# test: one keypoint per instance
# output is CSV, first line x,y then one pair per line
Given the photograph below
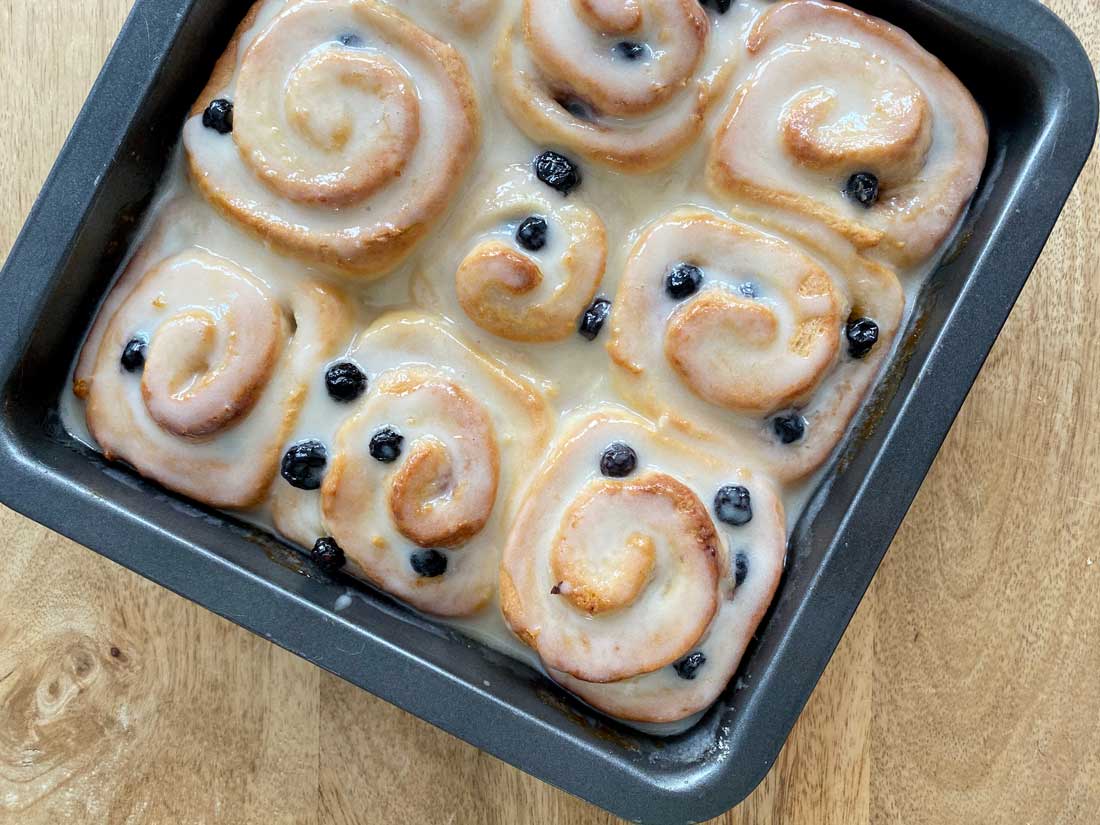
x,y
572,374
520,294
836,93
563,76
764,334
454,16
687,601
226,373
471,434
352,129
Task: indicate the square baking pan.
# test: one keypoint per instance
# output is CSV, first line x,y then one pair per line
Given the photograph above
x,y
1036,86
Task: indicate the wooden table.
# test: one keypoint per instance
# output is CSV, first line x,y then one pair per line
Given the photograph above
x,y
967,689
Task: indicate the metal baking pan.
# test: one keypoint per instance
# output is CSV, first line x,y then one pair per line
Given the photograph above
x,y
1036,86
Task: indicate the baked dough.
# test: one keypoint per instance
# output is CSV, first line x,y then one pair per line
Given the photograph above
x,y
615,581
763,335
524,313
470,432
564,76
522,294
352,130
226,371
839,93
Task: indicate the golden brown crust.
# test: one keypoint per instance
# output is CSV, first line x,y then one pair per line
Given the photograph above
x,y
610,16
593,89
672,118
430,502
379,245
177,373
469,430
719,363
606,578
918,130
902,134
616,582
203,452
722,179
494,285
662,703
223,71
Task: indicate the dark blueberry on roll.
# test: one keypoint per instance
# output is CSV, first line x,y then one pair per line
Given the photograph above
x,y
593,319
862,336
345,381
352,41
618,461
629,50
428,564
385,445
304,465
862,187
558,172
684,280
733,505
531,234
327,555
219,116
789,427
133,355
721,6
740,569
687,667
575,106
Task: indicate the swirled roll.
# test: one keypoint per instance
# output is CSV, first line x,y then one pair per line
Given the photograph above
x,y
622,82
729,330
638,567
536,262
336,129
849,120
200,371
421,474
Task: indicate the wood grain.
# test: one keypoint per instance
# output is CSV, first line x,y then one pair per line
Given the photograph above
x,y
964,692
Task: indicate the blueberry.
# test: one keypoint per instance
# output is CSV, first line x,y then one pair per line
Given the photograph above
x,y
789,427
575,106
327,555
862,335
687,667
749,290
345,381
721,5
683,280
428,564
618,460
304,465
594,317
133,355
558,172
531,234
219,116
862,187
352,41
740,569
629,50
733,505
385,445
